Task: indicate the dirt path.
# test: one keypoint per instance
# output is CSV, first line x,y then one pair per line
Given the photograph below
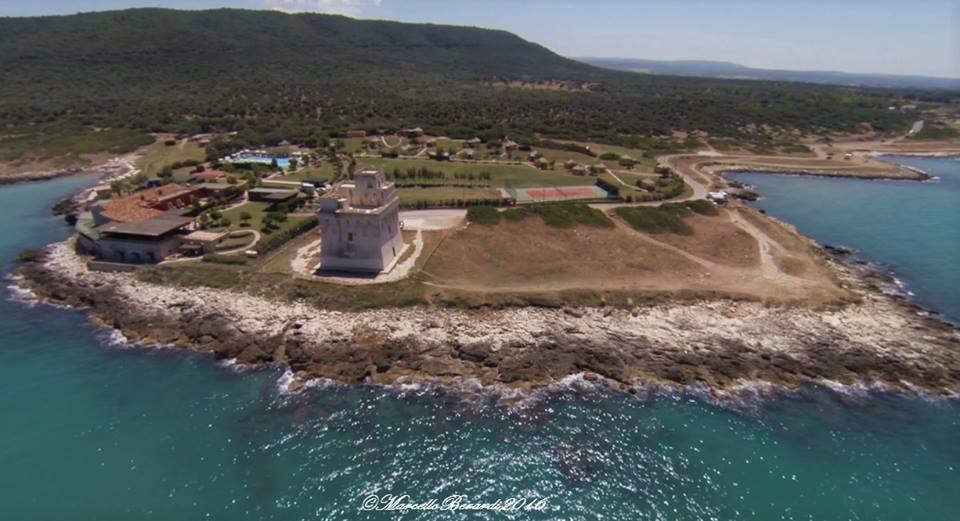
x,y
691,178
710,265
769,269
768,246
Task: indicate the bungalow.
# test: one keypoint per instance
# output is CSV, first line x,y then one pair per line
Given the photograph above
x,y
578,170
542,163
569,164
626,161
510,145
597,168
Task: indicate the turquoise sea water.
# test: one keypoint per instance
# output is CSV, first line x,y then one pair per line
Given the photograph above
x,y
911,228
93,430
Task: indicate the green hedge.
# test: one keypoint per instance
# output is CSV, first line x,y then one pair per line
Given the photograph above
x,y
216,258
609,187
276,239
485,215
562,215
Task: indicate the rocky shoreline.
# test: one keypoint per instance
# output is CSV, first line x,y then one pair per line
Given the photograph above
x,y
719,344
43,175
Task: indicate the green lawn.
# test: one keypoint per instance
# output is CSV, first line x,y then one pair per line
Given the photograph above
x,y
354,144
257,211
438,195
501,175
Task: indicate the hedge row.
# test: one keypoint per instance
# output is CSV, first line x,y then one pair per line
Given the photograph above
x,y
276,239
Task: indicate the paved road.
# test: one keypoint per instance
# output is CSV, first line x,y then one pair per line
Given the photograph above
x,y
699,189
427,220
256,239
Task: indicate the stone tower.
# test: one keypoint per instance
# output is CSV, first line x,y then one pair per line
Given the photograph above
x,y
360,225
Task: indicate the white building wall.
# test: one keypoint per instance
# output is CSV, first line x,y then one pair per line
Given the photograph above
x,y
356,241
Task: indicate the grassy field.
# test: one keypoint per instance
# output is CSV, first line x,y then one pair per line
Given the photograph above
x,y
501,175
257,211
561,215
660,219
437,195
158,155
324,171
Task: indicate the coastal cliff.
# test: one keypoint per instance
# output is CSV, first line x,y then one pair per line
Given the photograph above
x,y
722,344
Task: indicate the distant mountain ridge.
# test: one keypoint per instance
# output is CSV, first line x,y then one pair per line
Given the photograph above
x,y
272,76
721,69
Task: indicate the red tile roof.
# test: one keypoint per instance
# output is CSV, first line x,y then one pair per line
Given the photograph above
x,y
138,207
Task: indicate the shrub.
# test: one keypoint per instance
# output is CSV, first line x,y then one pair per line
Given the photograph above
x,y
275,240
664,219
702,207
613,189
217,258
562,215
485,215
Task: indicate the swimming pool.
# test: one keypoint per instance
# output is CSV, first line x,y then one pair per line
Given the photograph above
x,y
282,161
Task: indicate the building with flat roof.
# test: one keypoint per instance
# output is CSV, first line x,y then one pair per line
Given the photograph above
x,y
360,225
148,241
145,227
271,195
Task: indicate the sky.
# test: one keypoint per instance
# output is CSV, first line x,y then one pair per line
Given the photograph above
x,y
886,36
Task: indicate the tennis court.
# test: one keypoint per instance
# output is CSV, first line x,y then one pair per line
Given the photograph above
x,y
555,193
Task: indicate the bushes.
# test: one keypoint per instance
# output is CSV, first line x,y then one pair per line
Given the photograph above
x,y
663,219
563,215
702,207
613,189
485,215
216,258
279,238
456,203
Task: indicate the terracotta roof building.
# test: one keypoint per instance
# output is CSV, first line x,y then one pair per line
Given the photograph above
x,y
145,204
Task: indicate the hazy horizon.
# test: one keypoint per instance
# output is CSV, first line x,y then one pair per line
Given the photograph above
x,y
888,37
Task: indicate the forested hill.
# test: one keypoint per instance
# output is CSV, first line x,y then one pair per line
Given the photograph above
x,y
272,75
238,42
